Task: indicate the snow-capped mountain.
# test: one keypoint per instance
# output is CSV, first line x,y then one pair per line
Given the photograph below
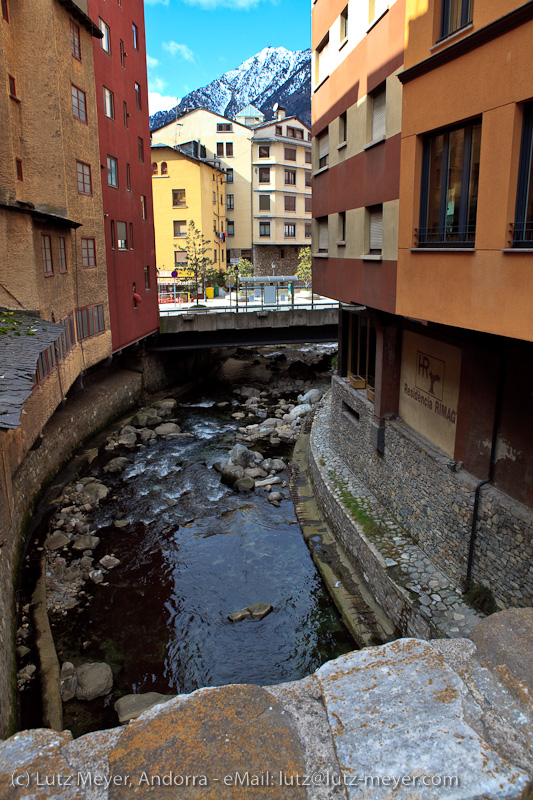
x,y
275,75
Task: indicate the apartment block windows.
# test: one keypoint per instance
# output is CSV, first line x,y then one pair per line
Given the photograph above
x,y
138,95
230,204
220,149
279,130
290,154
18,167
109,103
214,200
229,149
143,206
88,253
290,177
295,133
90,321
307,231
180,228
323,149
140,147
342,227
308,157
264,174
264,229
455,15
105,42
12,87
264,202
155,168
343,128
128,178
147,279
344,24
122,55
378,118
224,127
323,244
178,198
131,235
122,236
449,192
375,230
75,41
46,246
264,151
112,229
164,168
112,171
289,230
230,227
523,226
290,202
321,60
229,176
308,178
308,205
79,103
125,114
135,33
84,178
62,249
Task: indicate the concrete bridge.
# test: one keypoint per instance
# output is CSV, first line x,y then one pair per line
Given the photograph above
x,y
198,330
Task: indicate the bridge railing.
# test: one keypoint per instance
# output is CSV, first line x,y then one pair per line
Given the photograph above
x,y
244,302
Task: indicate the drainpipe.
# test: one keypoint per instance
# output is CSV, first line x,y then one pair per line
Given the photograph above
x,y
488,479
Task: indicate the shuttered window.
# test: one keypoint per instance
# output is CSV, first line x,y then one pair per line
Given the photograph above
x,y
378,115
375,230
323,235
323,149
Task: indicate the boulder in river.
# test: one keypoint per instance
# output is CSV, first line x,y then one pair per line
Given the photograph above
x,y
56,540
245,484
241,456
95,491
93,680
167,428
117,464
274,464
85,542
132,706
255,611
231,473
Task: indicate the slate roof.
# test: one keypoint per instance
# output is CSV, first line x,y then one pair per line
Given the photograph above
x,y
23,337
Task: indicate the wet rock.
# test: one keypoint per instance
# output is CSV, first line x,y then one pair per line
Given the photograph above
x,y
255,611
166,407
255,472
153,417
95,491
267,482
231,473
72,574
86,562
275,496
166,428
218,466
273,465
271,422
85,542
121,523
109,562
238,415
56,540
250,391
140,420
300,411
312,396
245,484
22,651
146,435
117,464
241,456
94,680
96,575
132,706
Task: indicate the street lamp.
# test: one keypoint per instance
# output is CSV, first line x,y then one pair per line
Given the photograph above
x,y
236,271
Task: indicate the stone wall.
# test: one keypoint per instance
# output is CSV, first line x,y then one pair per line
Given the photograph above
x,y
264,255
432,498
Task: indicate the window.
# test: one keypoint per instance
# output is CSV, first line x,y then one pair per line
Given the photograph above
x,y
230,201
79,103
62,249
109,103
105,42
289,230
131,235
147,279
264,229
180,258
12,86
143,206
290,202
138,95
523,226
290,177
46,244
308,157
343,128
264,151
448,200
18,166
307,230
279,130
135,32
112,226
214,198
321,60
455,14
308,178
178,198
377,125
88,253
215,255
264,202
344,24
342,226
122,55
230,227
90,321
140,145
84,178
75,41
290,154
264,174
5,10
322,223
112,171
128,178
180,228
308,205
229,149
155,167
125,114
220,148
164,168
323,149
122,236
295,133
224,127
229,176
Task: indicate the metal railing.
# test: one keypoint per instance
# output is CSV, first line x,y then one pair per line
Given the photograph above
x,y
244,301
446,236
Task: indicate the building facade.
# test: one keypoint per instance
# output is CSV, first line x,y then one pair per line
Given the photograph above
x,y
122,102
186,189
281,194
432,402
229,143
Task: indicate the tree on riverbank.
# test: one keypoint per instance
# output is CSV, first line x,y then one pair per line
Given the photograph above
x,y
304,271
196,247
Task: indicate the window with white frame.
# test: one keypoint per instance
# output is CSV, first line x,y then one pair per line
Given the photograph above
x,y
378,119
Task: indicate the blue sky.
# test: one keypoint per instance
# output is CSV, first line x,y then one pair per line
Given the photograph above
x,y
191,42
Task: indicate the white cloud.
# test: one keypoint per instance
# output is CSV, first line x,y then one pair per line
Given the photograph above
x,y
176,49
156,84
151,63
160,102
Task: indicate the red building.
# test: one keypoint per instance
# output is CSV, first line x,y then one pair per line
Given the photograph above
x,y
123,126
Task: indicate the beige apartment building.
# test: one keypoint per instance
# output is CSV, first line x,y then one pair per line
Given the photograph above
x,y
281,194
227,142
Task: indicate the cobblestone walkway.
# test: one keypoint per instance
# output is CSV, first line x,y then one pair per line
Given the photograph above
x,y
438,600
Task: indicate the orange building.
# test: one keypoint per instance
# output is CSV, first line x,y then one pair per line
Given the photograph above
x,y
433,268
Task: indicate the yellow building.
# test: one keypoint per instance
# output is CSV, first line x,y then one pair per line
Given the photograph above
x,y
186,188
228,143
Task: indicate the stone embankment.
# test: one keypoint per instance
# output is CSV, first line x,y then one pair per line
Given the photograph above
x,y
409,719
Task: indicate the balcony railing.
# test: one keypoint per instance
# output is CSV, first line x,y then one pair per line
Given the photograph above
x,y
446,236
521,234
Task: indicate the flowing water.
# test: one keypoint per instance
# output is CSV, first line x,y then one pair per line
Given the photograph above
x,y
194,552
